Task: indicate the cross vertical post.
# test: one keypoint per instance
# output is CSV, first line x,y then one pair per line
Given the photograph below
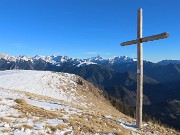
x,y
139,100
139,41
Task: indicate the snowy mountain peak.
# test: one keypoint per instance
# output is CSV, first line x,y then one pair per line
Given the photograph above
x,y
97,57
7,57
121,59
58,60
38,57
24,57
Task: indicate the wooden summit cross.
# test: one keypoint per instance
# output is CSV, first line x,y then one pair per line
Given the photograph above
x,y
139,41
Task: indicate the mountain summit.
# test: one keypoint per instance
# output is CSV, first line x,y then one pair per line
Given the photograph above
x,y
41,102
44,102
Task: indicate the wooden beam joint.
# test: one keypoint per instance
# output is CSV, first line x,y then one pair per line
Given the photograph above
x,y
146,39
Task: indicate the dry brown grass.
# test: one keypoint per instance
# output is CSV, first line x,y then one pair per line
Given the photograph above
x,y
57,127
46,98
31,110
79,123
92,96
88,122
5,130
75,127
9,98
95,96
68,133
20,101
91,124
13,116
23,115
164,130
38,120
153,128
26,126
61,112
5,120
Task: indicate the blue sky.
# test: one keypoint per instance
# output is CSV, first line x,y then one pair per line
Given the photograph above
x,y
86,28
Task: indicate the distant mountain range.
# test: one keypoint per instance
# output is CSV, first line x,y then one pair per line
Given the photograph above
x,y
58,60
166,62
163,71
117,77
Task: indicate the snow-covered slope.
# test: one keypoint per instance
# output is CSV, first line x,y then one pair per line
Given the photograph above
x,y
26,98
42,102
85,64
50,84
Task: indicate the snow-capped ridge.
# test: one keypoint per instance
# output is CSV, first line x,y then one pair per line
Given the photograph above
x,y
169,61
24,58
58,60
7,57
121,59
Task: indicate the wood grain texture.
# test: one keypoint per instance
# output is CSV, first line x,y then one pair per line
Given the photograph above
x,y
146,39
139,99
139,41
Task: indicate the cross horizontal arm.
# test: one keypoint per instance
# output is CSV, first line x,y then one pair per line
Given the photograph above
x,y
154,37
146,39
129,42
